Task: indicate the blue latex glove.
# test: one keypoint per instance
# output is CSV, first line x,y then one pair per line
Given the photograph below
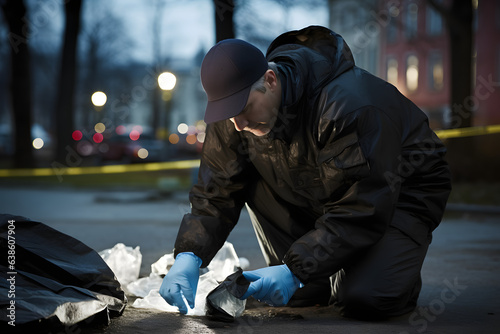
x,y
273,285
182,279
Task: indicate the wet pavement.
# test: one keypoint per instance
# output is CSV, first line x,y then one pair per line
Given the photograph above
x,y
461,284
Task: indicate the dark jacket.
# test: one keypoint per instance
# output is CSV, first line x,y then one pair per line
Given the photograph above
x,y
347,148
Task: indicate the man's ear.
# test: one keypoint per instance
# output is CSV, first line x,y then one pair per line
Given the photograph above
x,y
271,79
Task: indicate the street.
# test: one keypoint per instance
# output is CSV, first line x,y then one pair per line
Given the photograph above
x,y
103,218
461,289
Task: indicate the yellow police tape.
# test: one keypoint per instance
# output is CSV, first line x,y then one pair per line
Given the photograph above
x,y
467,132
187,164
110,169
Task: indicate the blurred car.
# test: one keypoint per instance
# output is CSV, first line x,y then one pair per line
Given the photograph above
x,y
7,145
123,149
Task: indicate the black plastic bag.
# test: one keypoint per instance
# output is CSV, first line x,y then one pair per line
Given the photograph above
x,y
50,280
223,302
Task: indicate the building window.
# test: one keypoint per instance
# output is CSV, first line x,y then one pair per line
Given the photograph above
x,y
392,71
411,20
435,71
412,73
434,21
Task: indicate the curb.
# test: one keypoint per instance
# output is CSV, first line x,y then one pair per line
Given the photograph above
x,y
473,208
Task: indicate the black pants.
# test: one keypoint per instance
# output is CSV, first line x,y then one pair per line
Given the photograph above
x,y
382,282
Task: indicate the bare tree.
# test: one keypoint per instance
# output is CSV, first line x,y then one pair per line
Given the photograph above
x,y
4,50
224,26
103,44
4,54
20,80
67,75
288,5
157,63
259,30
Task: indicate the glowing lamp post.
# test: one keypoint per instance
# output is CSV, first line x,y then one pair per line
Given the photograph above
x,y
99,99
166,82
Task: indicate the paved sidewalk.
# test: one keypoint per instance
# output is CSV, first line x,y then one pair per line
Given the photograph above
x,y
461,285
460,294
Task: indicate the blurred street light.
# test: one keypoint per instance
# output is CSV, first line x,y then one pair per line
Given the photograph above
x,y
201,137
167,81
99,99
97,137
173,138
77,135
38,143
100,127
134,135
191,139
182,128
142,153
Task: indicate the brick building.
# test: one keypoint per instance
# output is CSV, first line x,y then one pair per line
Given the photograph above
x,y
415,57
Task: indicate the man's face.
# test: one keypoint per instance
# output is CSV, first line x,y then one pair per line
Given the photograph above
x,y
261,110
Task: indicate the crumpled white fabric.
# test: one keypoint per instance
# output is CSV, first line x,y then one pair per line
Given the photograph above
x,y
154,300
124,261
143,286
163,265
223,264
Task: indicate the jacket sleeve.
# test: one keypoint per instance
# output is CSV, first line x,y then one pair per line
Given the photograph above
x,y
218,197
361,149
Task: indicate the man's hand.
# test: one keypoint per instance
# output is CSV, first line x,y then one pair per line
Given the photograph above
x,y
273,285
182,279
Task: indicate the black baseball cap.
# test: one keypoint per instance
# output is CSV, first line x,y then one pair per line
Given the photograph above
x,y
228,71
